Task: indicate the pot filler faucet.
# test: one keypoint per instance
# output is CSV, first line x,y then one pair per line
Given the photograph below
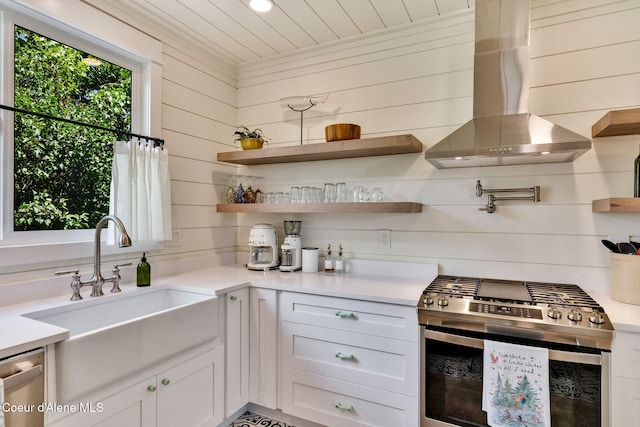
x,y
97,280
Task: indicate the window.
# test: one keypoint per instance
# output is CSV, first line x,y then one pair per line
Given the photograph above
x,y
82,29
62,171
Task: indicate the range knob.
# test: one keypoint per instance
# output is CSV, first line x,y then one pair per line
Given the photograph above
x,y
427,300
443,301
574,316
596,317
554,313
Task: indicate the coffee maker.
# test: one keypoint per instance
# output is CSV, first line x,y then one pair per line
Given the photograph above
x,y
263,247
291,247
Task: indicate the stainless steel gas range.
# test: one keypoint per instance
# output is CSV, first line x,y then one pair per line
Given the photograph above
x,y
458,313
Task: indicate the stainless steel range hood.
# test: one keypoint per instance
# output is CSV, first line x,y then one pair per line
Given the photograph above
x,y
502,131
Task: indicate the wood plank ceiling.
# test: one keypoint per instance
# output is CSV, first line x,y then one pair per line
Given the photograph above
x,y
231,31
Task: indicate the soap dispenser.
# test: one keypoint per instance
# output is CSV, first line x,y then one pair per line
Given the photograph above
x,y
143,275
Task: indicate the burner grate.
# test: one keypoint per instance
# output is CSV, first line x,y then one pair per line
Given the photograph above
x,y
542,294
565,295
455,287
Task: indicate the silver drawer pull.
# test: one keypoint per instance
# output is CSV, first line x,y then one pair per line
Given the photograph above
x,y
341,356
342,407
345,315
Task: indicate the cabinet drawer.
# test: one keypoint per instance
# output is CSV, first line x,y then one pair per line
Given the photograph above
x,y
379,362
372,318
625,356
338,403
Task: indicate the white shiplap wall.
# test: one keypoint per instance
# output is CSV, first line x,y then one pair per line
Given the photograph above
x,y
585,62
199,117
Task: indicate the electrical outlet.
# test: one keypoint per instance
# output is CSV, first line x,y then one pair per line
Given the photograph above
x,y
384,239
176,238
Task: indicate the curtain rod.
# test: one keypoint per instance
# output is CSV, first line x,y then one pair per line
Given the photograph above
x,y
157,142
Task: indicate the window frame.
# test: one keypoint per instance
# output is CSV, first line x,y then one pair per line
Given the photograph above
x,y
107,38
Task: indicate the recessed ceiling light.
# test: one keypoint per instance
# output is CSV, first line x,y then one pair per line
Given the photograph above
x,y
261,5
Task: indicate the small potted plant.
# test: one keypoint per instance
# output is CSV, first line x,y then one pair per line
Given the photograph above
x,y
249,139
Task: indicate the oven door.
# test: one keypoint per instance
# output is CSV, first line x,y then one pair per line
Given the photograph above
x,y
451,383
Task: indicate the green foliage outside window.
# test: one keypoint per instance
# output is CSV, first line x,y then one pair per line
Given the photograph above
x,y
62,171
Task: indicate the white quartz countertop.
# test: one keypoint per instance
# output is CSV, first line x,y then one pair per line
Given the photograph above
x,y
623,316
370,287
374,282
392,283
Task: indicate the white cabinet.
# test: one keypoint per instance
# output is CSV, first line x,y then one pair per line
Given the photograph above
x,y
625,379
188,393
237,350
192,393
349,362
263,361
134,406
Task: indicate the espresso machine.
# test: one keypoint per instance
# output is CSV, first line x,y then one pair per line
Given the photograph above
x,y
263,247
291,247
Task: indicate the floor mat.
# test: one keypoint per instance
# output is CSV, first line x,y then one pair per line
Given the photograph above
x,y
249,419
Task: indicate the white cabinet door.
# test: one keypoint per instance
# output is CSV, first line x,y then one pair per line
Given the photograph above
x,y
133,407
263,361
625,379
192,393
237,350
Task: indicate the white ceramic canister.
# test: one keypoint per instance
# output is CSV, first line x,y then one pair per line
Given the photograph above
x,y
309,260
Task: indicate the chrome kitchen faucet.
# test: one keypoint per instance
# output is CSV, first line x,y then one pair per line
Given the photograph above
x,y
97,280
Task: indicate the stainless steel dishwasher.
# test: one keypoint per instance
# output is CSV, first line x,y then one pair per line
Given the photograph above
x,y
22,389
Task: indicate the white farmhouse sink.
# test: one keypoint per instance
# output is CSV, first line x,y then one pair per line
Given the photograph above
x,y
115,336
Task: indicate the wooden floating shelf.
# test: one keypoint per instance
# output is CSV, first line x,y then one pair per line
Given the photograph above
x,y
377,207
382,146
620,204
617,122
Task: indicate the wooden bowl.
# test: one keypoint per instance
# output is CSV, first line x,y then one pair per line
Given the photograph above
x,y
251,143
341,131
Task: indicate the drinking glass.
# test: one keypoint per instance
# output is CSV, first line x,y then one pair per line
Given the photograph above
x,y
269,198
307,194
359,193
329,193
377,195
341,192
296,195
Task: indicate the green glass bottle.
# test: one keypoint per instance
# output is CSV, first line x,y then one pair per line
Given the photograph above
x,y
143,276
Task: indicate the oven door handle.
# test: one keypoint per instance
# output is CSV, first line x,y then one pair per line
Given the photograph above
x,y
559,355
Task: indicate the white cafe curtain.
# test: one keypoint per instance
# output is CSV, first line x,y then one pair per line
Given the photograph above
x,y
140,192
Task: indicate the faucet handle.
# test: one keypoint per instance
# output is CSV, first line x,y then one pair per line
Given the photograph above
x,y
60,273
115,276
76,284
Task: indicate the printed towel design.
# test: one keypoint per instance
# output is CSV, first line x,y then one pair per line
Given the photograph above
x,y
515,385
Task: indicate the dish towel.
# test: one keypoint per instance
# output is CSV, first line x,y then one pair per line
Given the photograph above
x,y
515,385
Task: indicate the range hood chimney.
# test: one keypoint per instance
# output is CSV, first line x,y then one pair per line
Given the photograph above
x,y
502,131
